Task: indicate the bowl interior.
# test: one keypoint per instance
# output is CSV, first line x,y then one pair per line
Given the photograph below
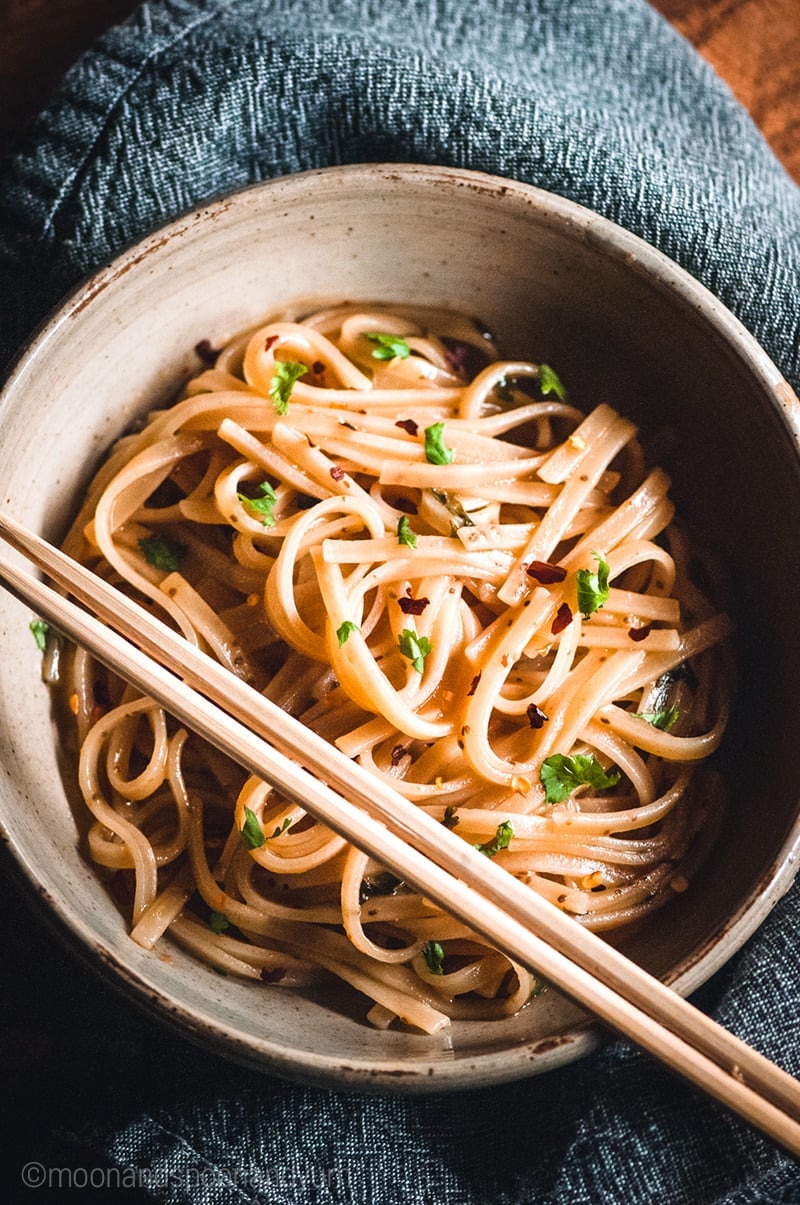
x,y
620,324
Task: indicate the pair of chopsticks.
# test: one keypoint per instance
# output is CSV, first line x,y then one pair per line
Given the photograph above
x,y
271,744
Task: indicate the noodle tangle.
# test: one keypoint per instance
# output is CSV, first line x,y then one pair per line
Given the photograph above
x,y
433,560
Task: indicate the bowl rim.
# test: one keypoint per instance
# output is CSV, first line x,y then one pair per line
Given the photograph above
x,y
632,253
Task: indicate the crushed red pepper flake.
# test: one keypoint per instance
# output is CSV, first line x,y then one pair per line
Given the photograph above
x,y
337,472
398,753
536,716
638,634
562,620
474,685
270,342
413,606
545,573
408,425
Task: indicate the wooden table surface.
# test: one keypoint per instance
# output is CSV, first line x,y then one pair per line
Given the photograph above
x,y
753,44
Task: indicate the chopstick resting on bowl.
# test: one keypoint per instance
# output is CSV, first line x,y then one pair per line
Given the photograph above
x,y
526,927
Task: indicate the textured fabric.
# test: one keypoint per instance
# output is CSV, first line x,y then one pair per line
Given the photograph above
x,y
598,100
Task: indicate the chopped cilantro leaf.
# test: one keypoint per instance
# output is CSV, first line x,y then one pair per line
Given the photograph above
x,y
252,832
433,954
549,382
283,381
162,553
218,922
262,506
344,630
499,841
280,828
592,587
435,450
40,629
663,719
388,347
404,533
560,775
415,647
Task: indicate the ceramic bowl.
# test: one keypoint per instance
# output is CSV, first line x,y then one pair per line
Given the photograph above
x,y
623,324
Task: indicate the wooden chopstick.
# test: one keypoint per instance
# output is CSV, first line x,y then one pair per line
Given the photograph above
x,y
417,848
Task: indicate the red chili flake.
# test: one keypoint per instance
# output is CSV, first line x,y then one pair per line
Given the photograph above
x,y
562,620
337,472
205,352
273,975
545,573
638,634
408,425
406,505
398,753
536,716
318,367
474,685
412,606
270,342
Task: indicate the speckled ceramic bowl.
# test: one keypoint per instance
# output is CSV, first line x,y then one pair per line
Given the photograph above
x,y
623,324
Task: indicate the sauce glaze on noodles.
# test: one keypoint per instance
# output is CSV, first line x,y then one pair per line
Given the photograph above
x,y
419,609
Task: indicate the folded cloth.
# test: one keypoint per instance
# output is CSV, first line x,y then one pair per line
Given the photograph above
x,y
601,101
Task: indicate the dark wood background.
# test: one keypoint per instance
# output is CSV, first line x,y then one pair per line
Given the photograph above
x,y
753,44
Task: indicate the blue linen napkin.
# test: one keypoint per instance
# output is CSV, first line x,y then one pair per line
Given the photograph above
x,y
601,101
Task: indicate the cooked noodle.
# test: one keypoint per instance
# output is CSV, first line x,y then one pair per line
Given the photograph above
x,y
384,529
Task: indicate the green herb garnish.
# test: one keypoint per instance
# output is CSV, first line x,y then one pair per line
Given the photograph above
x,y
280,828
263,505
283,381
162,553
560,775
404,533
592,587
218,922
549,382
435,450
433,954
664,719
450,818
344,630
252,833
499,841
415,647
388,347
40,628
